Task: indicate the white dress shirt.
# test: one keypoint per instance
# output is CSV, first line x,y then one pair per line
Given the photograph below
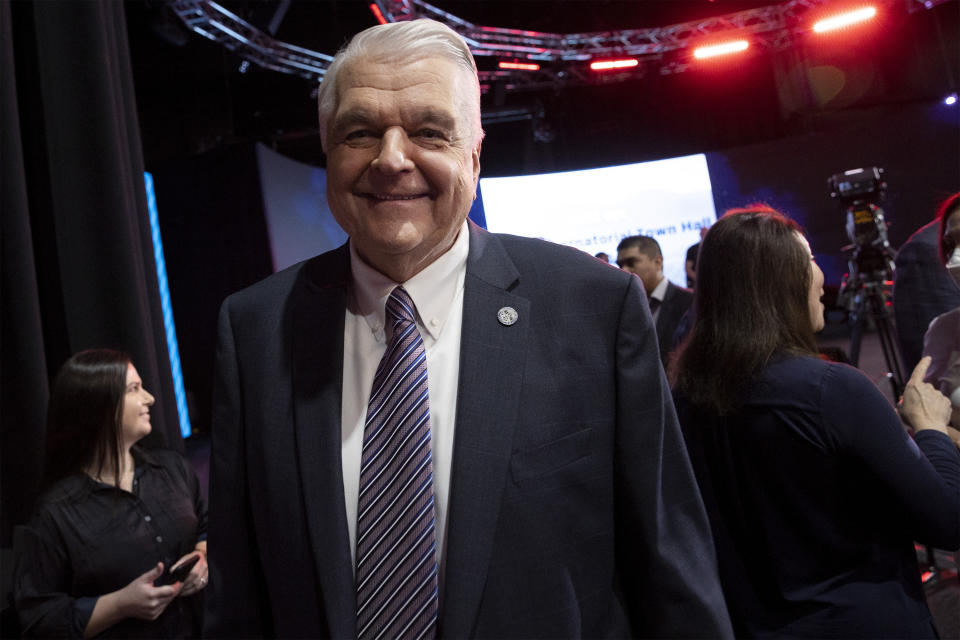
x,y
437,292
658,293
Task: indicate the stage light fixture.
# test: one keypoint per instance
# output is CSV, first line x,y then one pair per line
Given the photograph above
x,y
606,65
521,66
950,99
844,19
377,13
720,49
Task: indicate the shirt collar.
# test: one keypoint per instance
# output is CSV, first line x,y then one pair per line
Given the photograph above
x,y
142,457
660,290
433,289
80,483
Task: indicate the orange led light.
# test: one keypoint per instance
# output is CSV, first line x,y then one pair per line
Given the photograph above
x,y
844,19
721,49
605,65
378,14
523,66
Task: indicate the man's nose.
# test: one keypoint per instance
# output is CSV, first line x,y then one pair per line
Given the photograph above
x,y
393,156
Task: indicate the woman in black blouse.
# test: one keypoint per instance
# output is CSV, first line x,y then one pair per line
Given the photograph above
x,y
113,520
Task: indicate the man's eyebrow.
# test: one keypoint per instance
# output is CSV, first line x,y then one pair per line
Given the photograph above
x,y
428,115
352,117
443,119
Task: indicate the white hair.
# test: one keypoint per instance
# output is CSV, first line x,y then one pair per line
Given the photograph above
x,y
400,43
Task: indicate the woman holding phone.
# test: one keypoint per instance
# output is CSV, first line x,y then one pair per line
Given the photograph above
x,y
115,521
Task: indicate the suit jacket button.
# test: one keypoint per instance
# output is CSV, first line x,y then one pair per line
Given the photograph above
x,y
507,316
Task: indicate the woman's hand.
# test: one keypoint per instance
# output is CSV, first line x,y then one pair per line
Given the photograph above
x,y
198,576
922,405
139,599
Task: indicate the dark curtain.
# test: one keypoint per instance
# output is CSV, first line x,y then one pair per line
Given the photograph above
x,y
77,266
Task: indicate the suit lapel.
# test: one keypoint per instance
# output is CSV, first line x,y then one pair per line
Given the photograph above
x,y
664,319
492,358
317,355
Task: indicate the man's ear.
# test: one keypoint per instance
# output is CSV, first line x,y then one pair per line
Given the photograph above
x,y
323,136
475,158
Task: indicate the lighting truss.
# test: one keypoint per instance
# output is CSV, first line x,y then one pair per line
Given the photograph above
x,y
563,58
214,22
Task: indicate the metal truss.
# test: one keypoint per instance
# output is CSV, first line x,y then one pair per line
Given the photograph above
x,y
563,58
212,21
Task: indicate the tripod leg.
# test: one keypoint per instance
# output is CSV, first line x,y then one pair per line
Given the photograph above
x,y
856,331
887,343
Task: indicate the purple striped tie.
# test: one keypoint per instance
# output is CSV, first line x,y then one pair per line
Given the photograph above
x,y
396,545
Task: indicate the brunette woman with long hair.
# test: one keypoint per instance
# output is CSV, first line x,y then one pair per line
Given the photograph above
x,y
112,518
815,491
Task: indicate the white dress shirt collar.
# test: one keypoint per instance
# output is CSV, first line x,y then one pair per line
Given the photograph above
x,y
432,290
658,292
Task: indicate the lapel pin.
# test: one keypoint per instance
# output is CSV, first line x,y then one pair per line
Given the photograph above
x,y
507,316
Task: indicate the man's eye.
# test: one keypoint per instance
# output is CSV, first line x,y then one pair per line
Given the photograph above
x,y
432,134
359,134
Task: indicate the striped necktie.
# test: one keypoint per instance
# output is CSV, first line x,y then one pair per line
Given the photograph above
x,y
396,543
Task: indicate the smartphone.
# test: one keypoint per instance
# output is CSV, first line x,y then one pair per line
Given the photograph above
x,y
177,575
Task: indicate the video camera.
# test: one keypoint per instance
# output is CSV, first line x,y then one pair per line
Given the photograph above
x,y
866,288
859,193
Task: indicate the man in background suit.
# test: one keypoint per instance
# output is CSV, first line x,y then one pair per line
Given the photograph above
x,y
549,492
641,256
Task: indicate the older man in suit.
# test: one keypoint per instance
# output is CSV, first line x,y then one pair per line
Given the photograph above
x,y
437,431
641,256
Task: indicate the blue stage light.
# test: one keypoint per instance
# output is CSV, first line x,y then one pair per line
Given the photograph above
x,y
172,350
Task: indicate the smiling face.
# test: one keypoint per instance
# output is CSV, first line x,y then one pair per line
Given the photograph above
x,y
402,161
136,409
816,288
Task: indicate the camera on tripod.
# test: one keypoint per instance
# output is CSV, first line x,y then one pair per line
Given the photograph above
x,y
859,193
865,290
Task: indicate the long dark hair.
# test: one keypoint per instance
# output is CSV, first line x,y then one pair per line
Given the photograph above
x,y
85,418
751,302
947,209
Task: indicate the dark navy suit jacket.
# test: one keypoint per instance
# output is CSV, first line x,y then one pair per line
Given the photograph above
x,y
816,494
573,508
675,303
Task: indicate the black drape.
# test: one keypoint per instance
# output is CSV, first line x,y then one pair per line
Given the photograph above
x,y
78,267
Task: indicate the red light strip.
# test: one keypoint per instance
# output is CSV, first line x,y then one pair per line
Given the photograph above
x,y
614,64
844,19
378,14
721,49
522,66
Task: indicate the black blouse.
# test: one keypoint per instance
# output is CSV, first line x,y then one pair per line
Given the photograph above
x,y
87,539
